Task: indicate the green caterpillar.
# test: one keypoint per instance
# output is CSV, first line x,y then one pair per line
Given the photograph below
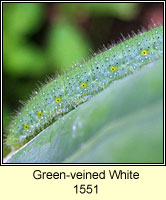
x,y
63,94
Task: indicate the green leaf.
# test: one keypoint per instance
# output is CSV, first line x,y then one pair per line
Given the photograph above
x,y
24,60
122,124
66,44
22,57
21,18
122,11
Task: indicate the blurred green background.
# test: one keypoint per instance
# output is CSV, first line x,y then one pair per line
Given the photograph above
x,y
44,39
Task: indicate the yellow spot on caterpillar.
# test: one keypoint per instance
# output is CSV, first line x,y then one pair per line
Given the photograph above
x,y
144,52
58,100
83,85
40,114
112,68
26,127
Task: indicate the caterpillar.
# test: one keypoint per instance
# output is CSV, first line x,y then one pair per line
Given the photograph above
x,y
71,89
